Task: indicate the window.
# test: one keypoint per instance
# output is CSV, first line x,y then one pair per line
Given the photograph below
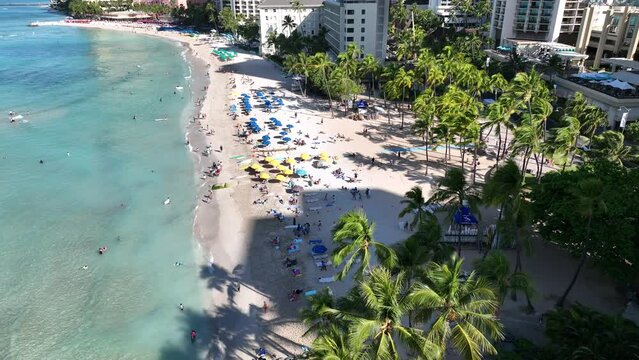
x,y
350,21
363,29
363,12
363,21
361,39
350,12
312,32
349,38
350,30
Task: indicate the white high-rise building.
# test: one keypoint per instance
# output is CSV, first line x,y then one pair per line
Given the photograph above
x,y
444,9
540,20
362,22
307,18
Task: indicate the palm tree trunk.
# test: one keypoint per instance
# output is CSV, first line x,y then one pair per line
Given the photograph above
x,y
582,261
426,151
401,109
475,162
498,151
462,153
503,153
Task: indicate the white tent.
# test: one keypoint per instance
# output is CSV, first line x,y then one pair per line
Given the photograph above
x,y
620,85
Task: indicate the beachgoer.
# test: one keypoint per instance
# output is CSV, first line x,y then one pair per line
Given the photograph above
x,y
193,335
372,161
161,98
368,193
181,307
319,225
360,195
133,117
265,306
237,287
68,154
221,148
85,267
41,162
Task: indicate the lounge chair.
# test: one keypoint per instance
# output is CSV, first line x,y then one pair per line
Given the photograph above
x,y
326,280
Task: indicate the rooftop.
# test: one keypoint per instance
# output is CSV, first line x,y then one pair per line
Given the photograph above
x,y
289,3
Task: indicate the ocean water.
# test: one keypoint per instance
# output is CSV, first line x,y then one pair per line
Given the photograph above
x,y
103,182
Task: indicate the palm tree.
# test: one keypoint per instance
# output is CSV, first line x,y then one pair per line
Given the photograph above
x,y
415,203
425,61
610,145
425,108
288,23
496,269
374,313
499,114
566,139
369,66
314,316
403,80
461,311
588,203
299,64
453,191
353,234
321,63
332,345
349,60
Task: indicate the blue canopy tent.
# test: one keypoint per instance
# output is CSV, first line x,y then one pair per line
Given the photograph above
x,y
464,227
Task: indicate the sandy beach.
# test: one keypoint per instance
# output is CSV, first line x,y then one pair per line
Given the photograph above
x,y
246,230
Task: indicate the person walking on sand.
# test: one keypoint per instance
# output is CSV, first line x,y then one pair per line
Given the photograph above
x,y
372,161
319,225
221,148
265,307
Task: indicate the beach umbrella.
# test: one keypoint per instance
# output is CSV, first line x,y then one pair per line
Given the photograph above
x,y
280,178
287,172
291,161
324,154
266,143
268,159
289,126
286,139
255,166
281,167
301,172
245,95
283,133
305,156
265,176
319,249
259,168
245,167
253,119
273,119
274,163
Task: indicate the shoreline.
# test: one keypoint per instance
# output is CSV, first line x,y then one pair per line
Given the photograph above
x,y
234,233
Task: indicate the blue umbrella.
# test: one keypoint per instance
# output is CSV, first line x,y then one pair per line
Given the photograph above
x,y
286,139
266,137
301,172
283,133
319,249
273,119
289,126
253,119
266,143
245,95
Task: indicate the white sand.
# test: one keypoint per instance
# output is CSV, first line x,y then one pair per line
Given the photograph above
x,y
236,234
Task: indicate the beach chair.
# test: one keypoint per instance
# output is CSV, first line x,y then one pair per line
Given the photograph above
x,y
310,293
320,257
315,242
326,280
298,241
297,272
321,263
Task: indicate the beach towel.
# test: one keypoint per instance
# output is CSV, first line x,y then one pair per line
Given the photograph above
x,y
310,293
326,280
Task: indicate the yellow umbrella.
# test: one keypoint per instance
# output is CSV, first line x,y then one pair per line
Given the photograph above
x,y
265,176
259,168
280,178
288,172
323,154
274,163
244,167
291,161
282,168
268,159
305,156
256,166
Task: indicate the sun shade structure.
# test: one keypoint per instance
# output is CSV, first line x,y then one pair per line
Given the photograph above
x,y
265,176
280,178
256,166
291,161
288,172
305,156
274,163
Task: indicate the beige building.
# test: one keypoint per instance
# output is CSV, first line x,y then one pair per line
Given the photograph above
x,y
609,31
539,20
307,18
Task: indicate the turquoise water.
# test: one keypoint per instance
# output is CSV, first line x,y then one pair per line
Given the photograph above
x,y
78,91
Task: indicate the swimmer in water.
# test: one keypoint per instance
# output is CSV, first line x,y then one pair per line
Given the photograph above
x,y
85,267
181,307
68,154
41,162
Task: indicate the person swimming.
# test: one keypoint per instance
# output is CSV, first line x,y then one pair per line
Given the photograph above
x,y
193,335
